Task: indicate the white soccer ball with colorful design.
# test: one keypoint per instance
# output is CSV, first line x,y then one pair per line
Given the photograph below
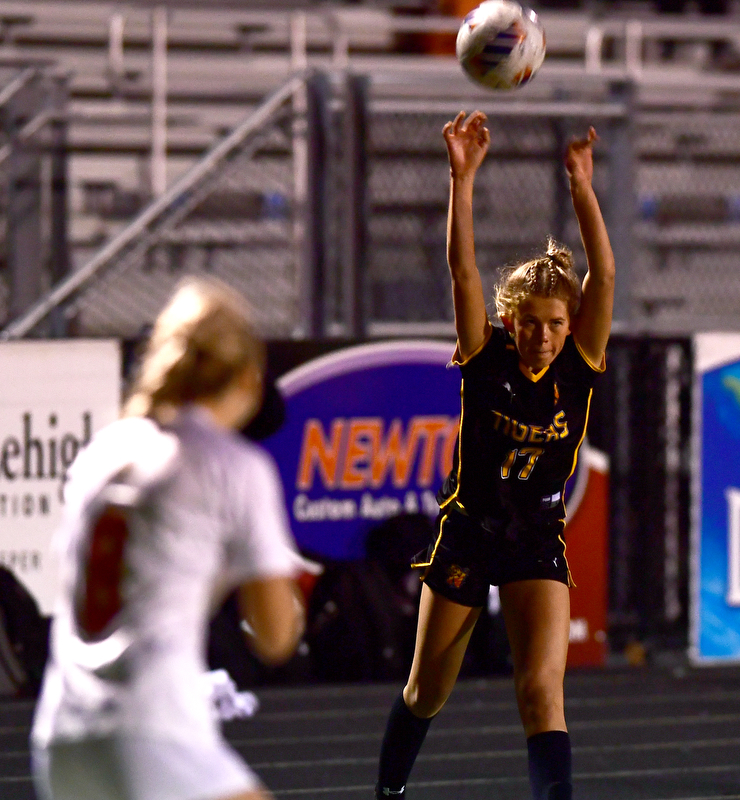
x,y
500,44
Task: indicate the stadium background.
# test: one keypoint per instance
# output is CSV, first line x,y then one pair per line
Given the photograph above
x,y
143,142
294,149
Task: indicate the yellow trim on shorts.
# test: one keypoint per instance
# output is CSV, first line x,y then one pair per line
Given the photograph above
x,y
571,582
453,496
427,564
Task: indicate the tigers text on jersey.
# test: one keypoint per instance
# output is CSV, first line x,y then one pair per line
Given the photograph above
x,y
519,436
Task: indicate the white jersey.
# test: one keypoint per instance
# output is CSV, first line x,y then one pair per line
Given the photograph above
x,y
205,512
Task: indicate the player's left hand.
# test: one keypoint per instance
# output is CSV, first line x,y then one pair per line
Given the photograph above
x,y
579,160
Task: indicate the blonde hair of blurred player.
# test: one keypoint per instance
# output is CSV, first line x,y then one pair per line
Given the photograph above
x,y
201,343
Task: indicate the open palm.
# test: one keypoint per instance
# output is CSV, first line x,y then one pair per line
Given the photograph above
x,y
467,142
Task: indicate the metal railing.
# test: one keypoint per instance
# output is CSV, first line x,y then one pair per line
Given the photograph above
x,y
341,174
164,212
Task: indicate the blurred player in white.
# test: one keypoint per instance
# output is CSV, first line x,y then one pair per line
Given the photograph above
x,y
166,511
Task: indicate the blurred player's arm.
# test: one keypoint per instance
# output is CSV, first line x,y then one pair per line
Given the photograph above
x,y
592,325
467,143
275,618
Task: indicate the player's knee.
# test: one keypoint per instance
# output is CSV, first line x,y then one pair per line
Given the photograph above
x,y
540,696
424,701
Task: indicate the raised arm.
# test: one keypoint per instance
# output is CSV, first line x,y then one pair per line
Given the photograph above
x,y
467,143
592,325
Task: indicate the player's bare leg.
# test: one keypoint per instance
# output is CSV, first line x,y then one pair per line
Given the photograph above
x,y
537,616
443,633
442,636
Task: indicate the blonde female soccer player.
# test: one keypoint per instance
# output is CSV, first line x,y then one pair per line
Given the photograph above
x,y
526,389
167,510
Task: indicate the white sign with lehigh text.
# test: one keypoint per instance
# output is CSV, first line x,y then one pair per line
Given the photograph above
x,y
55,395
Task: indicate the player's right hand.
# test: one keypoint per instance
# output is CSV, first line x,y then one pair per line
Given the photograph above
x,y
467,142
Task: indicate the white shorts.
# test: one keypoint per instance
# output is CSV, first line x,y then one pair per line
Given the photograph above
x,y
139,768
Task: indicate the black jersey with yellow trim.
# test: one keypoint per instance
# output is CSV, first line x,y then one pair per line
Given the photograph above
x,y
519,435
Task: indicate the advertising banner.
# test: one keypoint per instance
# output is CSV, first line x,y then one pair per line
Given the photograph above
x,y
370,433
715,556
56,394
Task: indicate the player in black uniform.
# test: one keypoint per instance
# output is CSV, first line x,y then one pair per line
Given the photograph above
x,y
526,390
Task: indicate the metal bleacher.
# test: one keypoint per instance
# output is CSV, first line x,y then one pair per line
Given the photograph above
x,y
153,86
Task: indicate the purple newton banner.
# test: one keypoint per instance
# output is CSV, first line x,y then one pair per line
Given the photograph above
x,y
369,433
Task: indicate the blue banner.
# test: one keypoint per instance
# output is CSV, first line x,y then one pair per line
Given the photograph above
x,y
716,542
369,433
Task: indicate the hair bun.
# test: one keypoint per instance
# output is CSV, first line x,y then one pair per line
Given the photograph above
x,y
551,274
559,253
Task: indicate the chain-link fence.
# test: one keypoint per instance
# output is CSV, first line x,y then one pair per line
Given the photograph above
x,y
330,213
232,216
678,257
641,417
521,197
33,244
687,260
236,225
397,267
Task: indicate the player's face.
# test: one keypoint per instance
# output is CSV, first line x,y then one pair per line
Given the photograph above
x,y
540,327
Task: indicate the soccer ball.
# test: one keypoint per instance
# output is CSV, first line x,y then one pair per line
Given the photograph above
x,y
500,44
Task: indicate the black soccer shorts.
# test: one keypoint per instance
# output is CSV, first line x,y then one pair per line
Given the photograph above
x,y
466,559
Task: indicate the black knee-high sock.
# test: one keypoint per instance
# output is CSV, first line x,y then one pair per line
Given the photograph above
x,y
404,736
550,765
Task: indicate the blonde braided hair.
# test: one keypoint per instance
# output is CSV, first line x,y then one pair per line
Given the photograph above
x,y
550,275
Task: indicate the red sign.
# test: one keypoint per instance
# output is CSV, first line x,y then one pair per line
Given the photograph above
x,y
586,538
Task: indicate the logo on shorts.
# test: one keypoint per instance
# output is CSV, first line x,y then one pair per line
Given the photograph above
x,y
456,576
